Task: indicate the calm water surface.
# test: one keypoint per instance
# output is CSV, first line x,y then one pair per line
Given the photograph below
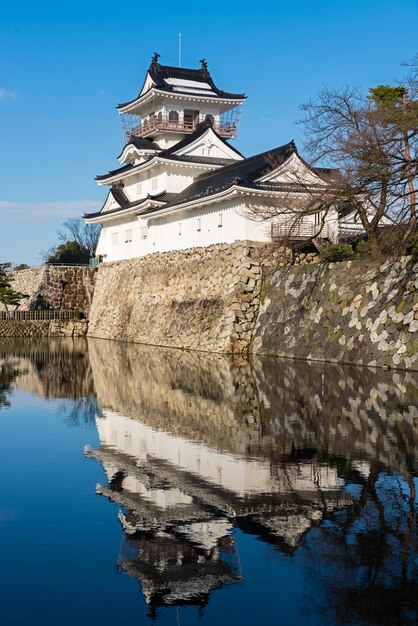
x,y
159,486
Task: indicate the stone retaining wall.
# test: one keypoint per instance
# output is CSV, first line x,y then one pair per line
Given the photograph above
x,y
56,287
201,298
43,328
241,297
356,311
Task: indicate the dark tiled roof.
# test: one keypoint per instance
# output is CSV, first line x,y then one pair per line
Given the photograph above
x,y
185,81
243,173
119,170
142,143
326,173
191,158
238,172
120,197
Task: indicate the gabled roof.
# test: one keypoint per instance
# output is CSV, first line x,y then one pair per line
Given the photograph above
x,y
182,81
122,199
170,153
237,173
141,143
199,131
244,174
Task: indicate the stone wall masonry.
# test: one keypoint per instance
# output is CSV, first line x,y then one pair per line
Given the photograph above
x,y
56,287
43,328
356,311
246,297
200,298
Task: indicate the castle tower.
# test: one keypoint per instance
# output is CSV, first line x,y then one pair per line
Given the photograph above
x,y
174,100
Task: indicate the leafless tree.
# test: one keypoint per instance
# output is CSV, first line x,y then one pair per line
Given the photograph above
x,y
85,235
371,144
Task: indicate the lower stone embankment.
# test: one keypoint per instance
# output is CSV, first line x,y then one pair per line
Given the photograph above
x,y
356,311
55,287
201,298
246,297
43,328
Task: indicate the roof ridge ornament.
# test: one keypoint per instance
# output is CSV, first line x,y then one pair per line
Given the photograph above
x,y
204,66
155,57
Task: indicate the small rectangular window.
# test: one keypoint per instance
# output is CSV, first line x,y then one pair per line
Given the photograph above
x,y
199,224
114,239
139,189
154,184
220,220
179,228
144,232
128,236
191,118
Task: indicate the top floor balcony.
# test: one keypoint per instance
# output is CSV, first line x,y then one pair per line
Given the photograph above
x,y
173,122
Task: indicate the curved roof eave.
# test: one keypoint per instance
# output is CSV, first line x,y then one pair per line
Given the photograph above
x,y
126,107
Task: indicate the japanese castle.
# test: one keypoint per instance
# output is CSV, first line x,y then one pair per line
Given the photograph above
x,y
182,184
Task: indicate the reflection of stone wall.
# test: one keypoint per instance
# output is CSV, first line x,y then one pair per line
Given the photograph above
x,y
265,411
54,368
357,414
204,397
201,298
55,287
353,312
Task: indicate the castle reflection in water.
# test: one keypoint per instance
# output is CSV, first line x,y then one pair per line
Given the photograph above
x,y
315,458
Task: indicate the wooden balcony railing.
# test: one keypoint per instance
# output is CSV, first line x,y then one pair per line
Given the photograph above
x,y
149,126
300,231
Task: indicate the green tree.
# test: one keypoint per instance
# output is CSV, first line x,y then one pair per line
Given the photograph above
x,y
8,295
68,252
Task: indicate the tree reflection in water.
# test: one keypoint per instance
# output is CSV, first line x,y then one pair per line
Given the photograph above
x,y
8,375
365,557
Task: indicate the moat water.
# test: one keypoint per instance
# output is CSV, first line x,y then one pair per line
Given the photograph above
x,y
143,485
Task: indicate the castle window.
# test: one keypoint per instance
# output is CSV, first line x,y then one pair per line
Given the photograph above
x,y
139,189
114,239
154,184
160,117
220,220
173,116
209,118
199,224
179,228
191,117
128,236
143,232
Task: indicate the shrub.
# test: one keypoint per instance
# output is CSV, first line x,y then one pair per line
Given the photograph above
x,y
362,248
413,247
336,252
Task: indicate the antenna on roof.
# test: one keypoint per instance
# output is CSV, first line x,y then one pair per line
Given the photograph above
x,y
179,49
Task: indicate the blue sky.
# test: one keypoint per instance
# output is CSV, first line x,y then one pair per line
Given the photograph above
x,y
64,67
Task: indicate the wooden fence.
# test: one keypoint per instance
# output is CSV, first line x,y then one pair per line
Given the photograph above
x,y
39,315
